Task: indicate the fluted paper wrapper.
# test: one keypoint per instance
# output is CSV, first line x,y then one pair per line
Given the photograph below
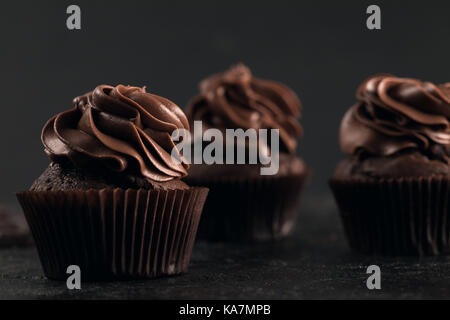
x,y
250,209
114,233
395,217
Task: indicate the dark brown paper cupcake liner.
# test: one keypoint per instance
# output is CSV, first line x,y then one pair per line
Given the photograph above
x,y
395,217
250,209
114,233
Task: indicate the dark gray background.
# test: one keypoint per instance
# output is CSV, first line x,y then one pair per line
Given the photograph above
x,y
320,49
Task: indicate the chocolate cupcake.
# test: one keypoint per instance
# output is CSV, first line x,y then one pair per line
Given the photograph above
x,y
243,204
112,200
392,190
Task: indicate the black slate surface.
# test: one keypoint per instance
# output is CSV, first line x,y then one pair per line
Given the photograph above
x,y
315,263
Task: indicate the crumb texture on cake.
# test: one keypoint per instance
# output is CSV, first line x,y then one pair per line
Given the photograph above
x,y
68,177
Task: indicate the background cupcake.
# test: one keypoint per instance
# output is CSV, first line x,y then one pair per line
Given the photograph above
x,y
244,205
111,201
393,189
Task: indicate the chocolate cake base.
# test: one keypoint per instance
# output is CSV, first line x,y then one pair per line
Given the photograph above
x,y
68,177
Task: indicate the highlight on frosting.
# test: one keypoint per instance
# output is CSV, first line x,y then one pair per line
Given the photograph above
x,y
394,114
123,128
236,99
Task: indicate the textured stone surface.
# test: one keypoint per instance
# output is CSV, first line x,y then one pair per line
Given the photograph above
x,y
314,263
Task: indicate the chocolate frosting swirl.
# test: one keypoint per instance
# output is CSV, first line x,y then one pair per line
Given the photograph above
x,y
397,114
235,99
122,128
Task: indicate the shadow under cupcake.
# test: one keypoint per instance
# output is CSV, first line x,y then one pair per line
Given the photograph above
x,y
393,189
112,200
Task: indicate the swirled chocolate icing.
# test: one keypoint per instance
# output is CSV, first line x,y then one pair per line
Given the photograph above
x,y
124,129
394,114
399,127
235,99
